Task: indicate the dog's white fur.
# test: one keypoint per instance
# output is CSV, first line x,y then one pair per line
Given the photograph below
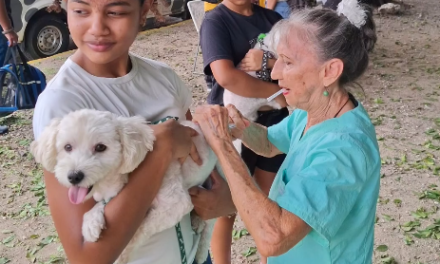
x,y
247,106
128,140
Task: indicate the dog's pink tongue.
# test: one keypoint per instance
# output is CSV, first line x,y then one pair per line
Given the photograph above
x,y
77,194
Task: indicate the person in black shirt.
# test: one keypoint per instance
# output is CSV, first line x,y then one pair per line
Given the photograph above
x,y
225,37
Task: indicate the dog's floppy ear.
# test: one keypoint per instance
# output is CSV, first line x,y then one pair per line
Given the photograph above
x,y
137,139
44,149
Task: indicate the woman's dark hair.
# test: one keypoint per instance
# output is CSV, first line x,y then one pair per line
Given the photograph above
x,y
56,6
333,36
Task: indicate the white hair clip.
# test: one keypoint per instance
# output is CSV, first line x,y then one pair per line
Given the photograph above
x,y
353,11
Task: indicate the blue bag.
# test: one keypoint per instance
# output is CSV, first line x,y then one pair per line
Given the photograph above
x,y
20,83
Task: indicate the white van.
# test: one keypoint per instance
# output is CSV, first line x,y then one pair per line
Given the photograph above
x,y
43,34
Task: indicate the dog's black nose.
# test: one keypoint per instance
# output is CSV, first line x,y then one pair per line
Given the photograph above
x,y
75,177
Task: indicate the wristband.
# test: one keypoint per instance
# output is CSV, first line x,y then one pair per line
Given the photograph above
x,y
8,31
264,74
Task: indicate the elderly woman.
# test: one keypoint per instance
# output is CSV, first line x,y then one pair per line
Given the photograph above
x,y
321,207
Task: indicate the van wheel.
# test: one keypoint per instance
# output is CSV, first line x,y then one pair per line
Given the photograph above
x,y
46,36
186,14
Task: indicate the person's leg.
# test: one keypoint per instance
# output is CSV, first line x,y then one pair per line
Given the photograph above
x,y
222,239
208,260
283,9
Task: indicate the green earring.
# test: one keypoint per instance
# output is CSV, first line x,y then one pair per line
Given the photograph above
x,y
325,92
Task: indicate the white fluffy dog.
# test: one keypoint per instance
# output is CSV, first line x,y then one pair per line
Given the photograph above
x,y
247,106
91,152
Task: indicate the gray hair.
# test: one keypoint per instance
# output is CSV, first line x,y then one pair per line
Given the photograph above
x,y
332,36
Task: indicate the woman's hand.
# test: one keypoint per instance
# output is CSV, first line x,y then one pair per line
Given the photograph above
x,y
213,203
214,123
252,61
240,122
177,138
12,38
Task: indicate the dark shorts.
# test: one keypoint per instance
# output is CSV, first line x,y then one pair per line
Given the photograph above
x,y
208,260
252,160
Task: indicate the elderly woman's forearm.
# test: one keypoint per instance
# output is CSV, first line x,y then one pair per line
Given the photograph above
x,y
273,229
255,138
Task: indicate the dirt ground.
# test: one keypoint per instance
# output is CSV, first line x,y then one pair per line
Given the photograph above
x,y
402,89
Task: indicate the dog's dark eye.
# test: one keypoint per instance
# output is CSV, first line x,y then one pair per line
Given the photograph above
x,y
68,148
100,148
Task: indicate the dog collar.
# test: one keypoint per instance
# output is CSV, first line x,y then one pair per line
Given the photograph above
x,y
165,119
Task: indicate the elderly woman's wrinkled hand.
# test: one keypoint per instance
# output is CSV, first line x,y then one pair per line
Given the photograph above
x,y
252,61
239,121
214,123
215,202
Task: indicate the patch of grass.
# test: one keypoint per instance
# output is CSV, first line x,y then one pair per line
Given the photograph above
x,y
7,153
434,133
432,193
37,183
387,218
24,142
432,231
237,234
378,120
4,260
55,260
408,240
378,101
433,70
44,242
383,201
422,213
410,226
249,252
382,248
50,71
385,259
14,119
426,163
397,202
30,210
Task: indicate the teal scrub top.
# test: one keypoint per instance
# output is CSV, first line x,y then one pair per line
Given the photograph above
x,y
330,179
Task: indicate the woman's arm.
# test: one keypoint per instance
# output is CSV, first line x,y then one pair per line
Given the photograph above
x,y
239,82
255,138
4,19
6,24
271,63
123,214
253,135
253,61
274,229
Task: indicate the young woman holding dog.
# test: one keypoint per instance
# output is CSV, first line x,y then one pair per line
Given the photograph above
x,y
103,75
225,38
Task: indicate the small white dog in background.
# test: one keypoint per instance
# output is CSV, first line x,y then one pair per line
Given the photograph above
x,y
247,106
91,152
